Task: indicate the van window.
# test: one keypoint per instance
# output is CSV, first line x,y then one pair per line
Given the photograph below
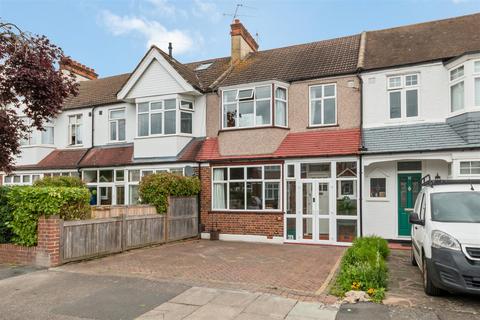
x,y
456,206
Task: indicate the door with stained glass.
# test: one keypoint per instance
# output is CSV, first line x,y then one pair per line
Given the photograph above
x,y
408,188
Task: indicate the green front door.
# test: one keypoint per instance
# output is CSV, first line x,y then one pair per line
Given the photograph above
x,y
408,189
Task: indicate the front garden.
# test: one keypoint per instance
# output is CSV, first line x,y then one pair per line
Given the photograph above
x,y
364,268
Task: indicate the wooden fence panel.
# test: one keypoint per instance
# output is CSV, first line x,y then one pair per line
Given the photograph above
x,y
182,218
90,238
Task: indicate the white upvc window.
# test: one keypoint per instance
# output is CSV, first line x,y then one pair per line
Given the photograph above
x,y
457,89
476,80
323,105
160,117
281,111
116,120
470,167
244,108
47,135
75,130
403,96
247,188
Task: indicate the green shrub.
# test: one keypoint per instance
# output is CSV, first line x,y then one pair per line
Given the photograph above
x,y
363,267
60,181
29,203
155,189
5,216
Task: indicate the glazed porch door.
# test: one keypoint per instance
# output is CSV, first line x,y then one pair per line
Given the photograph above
x,y
315,216
408,189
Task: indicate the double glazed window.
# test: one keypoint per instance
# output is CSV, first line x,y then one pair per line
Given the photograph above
x,y
39,137
403,96
160,117
117,124
323,105
476,70
470,167
252,107
457,89
75,129
247,188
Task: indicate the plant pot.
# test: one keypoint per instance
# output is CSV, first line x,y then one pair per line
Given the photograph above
x,y
214,234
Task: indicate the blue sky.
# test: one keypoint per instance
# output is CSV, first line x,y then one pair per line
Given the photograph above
x,y
111,36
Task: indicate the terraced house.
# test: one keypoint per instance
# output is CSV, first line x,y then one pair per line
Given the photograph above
x,y
312,143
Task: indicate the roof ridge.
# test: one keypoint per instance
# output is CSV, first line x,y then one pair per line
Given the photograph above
x,y
425,22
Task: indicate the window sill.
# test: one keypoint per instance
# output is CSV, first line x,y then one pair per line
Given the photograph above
x,y
38,146
378,199
188,135
323,126
253,128
245,212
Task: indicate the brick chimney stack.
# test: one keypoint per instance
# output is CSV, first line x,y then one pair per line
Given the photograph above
x,y
242,41
81,71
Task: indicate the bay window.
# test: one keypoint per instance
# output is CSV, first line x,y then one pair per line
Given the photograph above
x,y
323,104
75,129
457,89
252,107
160,117
476,71
117,124
403,96
247,188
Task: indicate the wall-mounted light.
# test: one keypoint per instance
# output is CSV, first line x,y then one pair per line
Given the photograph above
x,y
437,177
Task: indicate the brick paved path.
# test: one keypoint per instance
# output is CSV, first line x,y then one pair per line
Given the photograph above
x,y
295,271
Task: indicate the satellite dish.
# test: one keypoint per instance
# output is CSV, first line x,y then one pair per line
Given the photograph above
x,y
188,171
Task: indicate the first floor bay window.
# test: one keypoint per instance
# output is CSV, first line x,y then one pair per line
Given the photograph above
x,y
246,188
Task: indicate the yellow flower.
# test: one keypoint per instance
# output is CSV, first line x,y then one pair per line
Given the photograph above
x,y
371,291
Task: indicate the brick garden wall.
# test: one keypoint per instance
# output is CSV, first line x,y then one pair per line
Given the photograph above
x,y
241,223
47,251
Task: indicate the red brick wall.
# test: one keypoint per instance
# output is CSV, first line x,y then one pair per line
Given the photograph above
x,y
47,251
242,223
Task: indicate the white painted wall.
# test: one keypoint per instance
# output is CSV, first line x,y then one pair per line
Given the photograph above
x,y
434,92
166,146
380,216
33,154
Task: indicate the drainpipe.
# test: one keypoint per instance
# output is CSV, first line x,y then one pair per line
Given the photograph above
x,y
199,209
362,148
92,139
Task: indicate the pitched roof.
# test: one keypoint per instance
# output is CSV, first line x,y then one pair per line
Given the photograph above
x,y
58,159
417,137
108,156
429,41
299,62
320,143
189,153
97,92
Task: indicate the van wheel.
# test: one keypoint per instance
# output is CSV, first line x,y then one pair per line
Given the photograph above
x,y
428,286
412,257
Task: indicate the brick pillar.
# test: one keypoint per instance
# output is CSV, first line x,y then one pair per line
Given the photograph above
x,y
206,197
49,231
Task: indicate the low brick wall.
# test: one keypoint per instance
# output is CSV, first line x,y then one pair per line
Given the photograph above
x,y
102,212
47,251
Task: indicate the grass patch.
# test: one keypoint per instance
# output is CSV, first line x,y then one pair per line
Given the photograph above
x,y
364,267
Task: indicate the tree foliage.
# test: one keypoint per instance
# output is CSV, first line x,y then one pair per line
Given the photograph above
x,y
31,85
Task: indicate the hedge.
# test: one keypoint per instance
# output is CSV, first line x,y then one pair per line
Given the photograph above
x,y
60,181
29,203
5,216
364,267
156,188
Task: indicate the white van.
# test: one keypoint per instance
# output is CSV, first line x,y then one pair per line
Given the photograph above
x,y
446,235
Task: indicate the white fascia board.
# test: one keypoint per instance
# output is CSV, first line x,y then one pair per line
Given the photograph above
x,y
370,159
255,84
151,55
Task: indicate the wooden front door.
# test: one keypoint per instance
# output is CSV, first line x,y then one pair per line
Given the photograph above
x,y
408,189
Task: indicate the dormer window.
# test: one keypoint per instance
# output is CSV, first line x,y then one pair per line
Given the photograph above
x,y
457,89
252,107
403,95
160,117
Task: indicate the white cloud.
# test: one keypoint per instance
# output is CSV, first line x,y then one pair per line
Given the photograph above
x,y
165,8
206,9
154,32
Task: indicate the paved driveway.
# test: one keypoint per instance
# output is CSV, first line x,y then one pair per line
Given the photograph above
x,y
406,290
294,271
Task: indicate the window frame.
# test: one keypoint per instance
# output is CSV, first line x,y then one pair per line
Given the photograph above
x,y
110,121
275,105
178,112
403,88
310,100
245,180
370,197
75,125
454,82
470,167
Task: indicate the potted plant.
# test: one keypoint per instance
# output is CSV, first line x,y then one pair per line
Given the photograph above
x,y
215,232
